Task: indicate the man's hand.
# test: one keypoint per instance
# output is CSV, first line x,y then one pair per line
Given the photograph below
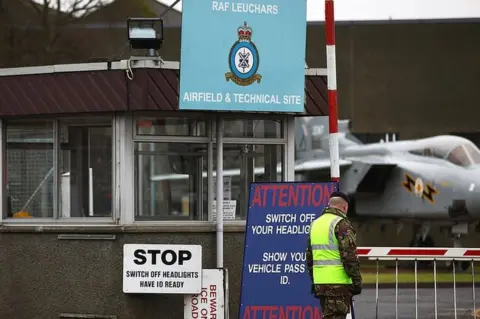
x,y
356,288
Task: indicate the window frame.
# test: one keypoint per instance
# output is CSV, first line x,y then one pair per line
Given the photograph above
x,y
137,135
280,119
135,190
140,138
124,138
56,219
260,143
288,126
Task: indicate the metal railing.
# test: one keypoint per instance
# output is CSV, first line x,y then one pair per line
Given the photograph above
x,y
458,262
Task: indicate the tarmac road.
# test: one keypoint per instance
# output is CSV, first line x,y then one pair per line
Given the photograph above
x,y
365,303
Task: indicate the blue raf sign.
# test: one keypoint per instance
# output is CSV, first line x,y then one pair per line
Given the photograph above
x,y
243,56
275,280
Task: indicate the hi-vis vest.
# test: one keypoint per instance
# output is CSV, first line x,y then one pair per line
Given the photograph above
x,y
327,265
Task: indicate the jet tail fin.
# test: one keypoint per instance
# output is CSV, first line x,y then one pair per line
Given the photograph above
x,y
311,136
348,138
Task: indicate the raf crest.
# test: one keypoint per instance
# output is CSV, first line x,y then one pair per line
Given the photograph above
x,y
243,59
419,188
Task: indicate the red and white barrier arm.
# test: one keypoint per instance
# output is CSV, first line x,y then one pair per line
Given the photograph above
x,y
411,253
332,91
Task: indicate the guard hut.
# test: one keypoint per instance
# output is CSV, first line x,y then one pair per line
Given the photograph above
x,y
98,155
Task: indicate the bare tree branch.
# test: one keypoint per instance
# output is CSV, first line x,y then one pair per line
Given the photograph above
x,y
81,8
36,7
42,35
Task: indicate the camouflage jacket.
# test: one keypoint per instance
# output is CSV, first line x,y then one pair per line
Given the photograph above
x,y
347,245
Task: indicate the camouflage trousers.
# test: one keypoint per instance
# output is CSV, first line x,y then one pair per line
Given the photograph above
x,y
335,307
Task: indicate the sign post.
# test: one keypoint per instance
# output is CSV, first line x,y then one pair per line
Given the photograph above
x,y
275,279
162,269
239,56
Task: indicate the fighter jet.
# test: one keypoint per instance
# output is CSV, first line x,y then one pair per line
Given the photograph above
x,y
423,182
426,181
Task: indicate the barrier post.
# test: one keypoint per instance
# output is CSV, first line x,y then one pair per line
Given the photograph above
x,y
332,91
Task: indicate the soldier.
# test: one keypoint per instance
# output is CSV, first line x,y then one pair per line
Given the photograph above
x,y
332,259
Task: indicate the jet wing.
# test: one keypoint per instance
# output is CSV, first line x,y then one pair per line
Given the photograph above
x,y
318,164
317,169
373,160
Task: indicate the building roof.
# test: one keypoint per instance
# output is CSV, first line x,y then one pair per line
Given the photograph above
x,y
105,87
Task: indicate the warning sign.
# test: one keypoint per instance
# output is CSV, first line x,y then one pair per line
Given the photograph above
x,y
162,269
210,302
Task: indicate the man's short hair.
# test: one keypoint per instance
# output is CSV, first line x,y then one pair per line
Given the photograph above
x,y
341,195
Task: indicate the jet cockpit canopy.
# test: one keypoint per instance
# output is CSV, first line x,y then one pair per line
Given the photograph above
x,y
466,154
455,149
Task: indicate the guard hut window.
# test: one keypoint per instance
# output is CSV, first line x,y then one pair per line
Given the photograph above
x,y
253,151
170,181
59,168
244,164
85,168
171,164
170,168
170,127
246,128
29,173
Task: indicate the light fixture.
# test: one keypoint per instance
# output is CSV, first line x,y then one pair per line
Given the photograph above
x,y
145,33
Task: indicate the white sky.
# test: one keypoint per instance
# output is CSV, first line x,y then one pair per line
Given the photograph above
x,y
371,10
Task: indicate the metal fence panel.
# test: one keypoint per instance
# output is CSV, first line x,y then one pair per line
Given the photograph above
x,y
451,292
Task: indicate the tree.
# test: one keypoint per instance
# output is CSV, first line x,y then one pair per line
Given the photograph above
x,y
41,32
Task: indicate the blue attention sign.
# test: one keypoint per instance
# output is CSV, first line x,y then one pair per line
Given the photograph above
x,y
243,56
275,280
